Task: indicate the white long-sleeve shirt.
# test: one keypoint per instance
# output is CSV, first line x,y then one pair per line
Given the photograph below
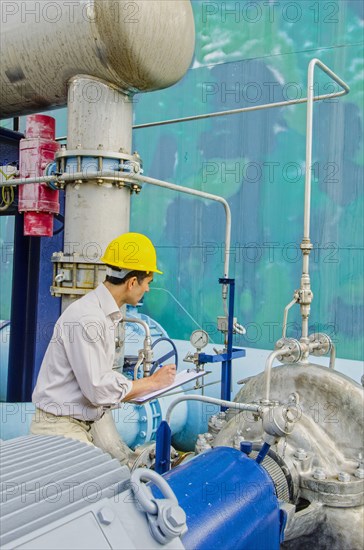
x,y
76,376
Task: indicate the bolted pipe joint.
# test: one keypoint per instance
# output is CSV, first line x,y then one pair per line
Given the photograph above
x,y
319,344
291,350
305,297
306,246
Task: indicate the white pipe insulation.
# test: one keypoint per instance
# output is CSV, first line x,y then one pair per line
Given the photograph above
x,y
142,45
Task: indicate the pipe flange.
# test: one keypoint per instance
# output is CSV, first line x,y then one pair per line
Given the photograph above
x,y
292,351
96,153
320,344
330,491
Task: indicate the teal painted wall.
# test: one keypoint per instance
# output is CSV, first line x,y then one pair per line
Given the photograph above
x,y
250,53
254,54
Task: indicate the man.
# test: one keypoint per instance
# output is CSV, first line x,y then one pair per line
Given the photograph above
x,y
76,383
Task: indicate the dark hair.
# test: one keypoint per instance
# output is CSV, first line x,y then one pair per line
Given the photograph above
x,y
140,275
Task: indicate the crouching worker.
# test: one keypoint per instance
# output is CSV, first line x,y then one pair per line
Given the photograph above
x,y
76,384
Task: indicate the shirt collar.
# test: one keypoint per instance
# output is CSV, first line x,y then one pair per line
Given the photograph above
x,y
107,302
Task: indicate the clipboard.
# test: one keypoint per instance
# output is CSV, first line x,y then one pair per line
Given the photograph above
x,y
182,377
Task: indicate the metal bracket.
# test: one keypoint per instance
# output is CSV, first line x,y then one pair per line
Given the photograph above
x,y
235,354
74,275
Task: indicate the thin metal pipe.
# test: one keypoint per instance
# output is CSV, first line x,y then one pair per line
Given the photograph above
x,y
104,174
268,369
147,346
247,109
308,167
137,365
332,356
191,389
285,317
306,243
202,194
242,110
309,122
213,401
139,322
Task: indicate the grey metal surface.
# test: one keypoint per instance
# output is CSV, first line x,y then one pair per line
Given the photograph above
x,y
324,453
325,528
44,44
45,478
58,494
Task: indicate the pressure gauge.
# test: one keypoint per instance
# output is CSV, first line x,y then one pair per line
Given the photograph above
x,y
199,339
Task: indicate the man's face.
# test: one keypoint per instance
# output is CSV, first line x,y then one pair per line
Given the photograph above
x,y
137,290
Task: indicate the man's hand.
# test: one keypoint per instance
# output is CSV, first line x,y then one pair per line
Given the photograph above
x,y
164,376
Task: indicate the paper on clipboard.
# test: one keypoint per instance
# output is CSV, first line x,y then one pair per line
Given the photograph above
x,y
181,378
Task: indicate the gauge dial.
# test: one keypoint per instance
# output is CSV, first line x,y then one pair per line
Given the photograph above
x,y
199,339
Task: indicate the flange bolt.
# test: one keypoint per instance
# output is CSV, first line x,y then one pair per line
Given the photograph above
x,y
343,476
359,473
300,454
319,474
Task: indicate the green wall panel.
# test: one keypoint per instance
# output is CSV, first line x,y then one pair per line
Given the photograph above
x,y
256,161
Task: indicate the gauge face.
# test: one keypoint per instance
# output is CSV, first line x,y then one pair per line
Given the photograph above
x,y
199,339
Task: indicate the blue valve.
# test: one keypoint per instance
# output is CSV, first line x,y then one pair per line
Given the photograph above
x,y
246,447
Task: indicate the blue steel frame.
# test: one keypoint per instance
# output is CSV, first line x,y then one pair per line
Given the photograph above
x,y
163,441
231,353
33,310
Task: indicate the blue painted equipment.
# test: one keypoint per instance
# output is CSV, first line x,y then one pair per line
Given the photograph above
x,y
163,448
231,353
229,500
262,453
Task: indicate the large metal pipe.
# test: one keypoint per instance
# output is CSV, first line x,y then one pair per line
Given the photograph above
x,y
96,214
142,45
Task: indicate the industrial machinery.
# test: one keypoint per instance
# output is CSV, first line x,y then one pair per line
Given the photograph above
x,y
281,464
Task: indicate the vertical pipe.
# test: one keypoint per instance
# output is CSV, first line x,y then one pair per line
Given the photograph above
x,y
309,118
99,118
268,370
226,365
306,245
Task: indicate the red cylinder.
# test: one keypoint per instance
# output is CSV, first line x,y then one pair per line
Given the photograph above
x,y
38,202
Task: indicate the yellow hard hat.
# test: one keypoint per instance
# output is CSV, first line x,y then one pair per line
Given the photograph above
x,y
132,251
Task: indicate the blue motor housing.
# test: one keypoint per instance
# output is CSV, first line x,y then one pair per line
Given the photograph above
x,y
229,500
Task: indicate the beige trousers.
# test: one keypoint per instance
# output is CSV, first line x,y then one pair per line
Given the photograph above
x,y
44,423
